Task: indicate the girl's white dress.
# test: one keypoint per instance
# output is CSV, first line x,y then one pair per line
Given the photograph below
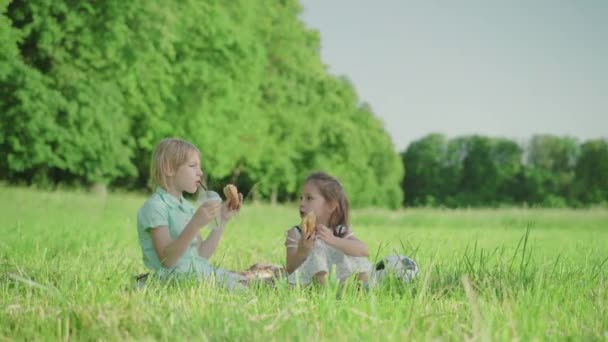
x,y
323,258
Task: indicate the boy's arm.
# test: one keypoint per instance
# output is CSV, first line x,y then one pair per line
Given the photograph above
x,y
207,247
169,251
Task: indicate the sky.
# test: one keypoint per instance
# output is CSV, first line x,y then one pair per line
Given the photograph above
x,y
498,68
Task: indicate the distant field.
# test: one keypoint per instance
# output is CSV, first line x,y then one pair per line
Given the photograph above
x,y
66,260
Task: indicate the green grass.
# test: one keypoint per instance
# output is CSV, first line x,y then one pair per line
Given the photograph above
x,y
66,260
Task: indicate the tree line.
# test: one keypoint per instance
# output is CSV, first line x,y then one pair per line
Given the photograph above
x,y
548,171
87,90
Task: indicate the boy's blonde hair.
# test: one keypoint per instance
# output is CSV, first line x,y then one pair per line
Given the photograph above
x,y
168,156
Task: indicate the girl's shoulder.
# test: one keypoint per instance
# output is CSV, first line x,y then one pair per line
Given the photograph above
x,y
294,229
295,232
292,235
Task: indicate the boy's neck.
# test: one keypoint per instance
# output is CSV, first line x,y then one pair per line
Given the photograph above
x,y
171,190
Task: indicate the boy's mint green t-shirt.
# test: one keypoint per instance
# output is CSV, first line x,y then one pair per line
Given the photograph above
x,y
163,209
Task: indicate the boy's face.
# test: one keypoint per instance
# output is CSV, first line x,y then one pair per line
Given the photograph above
x,y
188,175
312,200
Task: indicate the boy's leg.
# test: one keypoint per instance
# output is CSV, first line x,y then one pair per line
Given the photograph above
x,y
140,280
230,280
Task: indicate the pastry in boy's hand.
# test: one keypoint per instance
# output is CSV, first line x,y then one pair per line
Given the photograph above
x,y
309,222
232,196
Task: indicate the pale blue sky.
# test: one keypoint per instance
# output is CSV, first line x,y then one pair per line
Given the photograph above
x,y
498,68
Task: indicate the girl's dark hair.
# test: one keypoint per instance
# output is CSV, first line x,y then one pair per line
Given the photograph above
x,y
333,192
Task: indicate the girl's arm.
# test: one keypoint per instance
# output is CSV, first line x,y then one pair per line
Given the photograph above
x,y
297,250
169,251
349,246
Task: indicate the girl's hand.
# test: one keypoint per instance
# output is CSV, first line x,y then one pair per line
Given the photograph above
x,y
206,213
325,234
229,211
306,244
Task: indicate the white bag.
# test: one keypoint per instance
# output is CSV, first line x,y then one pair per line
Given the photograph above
x,y
400,266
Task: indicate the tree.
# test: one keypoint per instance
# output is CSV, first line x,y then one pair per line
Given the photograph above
x,y
550,166
507,159
425,160
62,115
88,91
478,180
591,171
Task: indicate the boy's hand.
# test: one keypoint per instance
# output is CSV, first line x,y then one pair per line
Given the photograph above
x,y
207,212
228,210
325,234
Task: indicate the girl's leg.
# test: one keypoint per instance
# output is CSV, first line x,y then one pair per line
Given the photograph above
x,y
320,278
348,267
363,277
355,281
314,269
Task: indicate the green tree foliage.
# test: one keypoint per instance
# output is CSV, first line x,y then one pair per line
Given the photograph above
x,y
426,162
487,168
288,102
471,170
63,119
88,90
314,121
591,172
483,171
550,166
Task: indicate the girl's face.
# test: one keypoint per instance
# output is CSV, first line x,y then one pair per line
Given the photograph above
x,y
312,200
187,177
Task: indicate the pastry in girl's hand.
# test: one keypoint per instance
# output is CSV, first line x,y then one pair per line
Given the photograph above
x,y
309,222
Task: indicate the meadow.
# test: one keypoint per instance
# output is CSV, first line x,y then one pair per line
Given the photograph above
x,y
67,260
